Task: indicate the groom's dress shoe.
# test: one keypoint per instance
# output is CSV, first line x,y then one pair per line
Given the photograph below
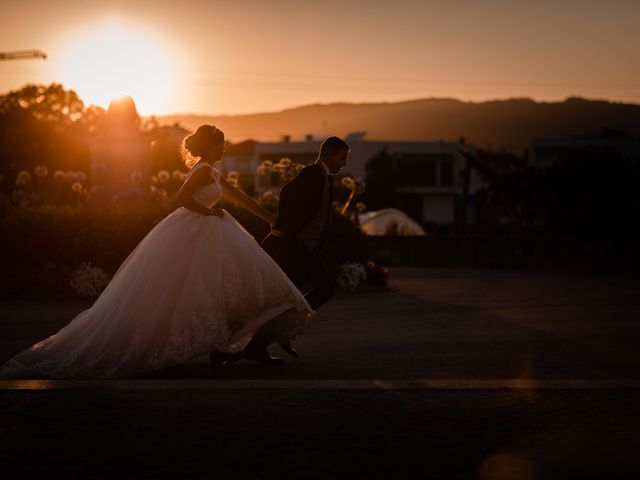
x,y
222,358
287,347
261,355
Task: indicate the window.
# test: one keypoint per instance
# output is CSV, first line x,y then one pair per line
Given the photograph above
x,y
446,172
416,171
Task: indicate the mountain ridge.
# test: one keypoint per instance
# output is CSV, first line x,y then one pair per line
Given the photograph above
x,y
509,124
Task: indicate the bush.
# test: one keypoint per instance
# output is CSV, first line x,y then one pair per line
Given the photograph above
x,y
39,236
345,243
36,236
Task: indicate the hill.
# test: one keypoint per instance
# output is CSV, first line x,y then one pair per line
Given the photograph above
x,y
502,124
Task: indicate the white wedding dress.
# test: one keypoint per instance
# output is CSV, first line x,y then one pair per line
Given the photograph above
x,y
194,284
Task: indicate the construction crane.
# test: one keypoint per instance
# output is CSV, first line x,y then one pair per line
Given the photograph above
x,y
23,54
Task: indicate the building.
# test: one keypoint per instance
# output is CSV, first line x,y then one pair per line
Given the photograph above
x,y
545,151
430,175
240,158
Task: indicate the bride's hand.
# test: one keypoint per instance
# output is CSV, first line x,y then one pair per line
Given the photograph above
x,y
218,212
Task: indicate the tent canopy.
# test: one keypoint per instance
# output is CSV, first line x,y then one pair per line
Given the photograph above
x,y
389,221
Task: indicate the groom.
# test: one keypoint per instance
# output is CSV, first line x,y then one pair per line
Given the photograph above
x,y
304,212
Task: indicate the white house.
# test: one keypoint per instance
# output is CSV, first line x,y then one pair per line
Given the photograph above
x,y
430,174
240,158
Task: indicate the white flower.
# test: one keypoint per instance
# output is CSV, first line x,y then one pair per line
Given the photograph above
x,y
348,182
350,275
163,176
23,179
41,171
88,280
21,182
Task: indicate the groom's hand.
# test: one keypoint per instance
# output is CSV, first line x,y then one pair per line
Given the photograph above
x,y
218,212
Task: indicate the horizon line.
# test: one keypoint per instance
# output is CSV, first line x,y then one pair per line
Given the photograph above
x,y
392,102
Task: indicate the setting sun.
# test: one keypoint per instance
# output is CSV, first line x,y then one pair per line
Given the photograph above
x,y
113,60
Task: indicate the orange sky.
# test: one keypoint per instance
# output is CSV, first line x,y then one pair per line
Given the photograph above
x,y
213,57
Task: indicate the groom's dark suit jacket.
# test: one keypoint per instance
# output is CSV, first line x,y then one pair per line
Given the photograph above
x,y
301,225
301,200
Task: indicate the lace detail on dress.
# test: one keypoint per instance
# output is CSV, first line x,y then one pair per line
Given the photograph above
x,y
210,194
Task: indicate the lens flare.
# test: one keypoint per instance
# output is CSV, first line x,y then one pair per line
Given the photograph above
x,y
111,60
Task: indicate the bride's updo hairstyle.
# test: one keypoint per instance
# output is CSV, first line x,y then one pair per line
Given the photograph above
x,y
198,144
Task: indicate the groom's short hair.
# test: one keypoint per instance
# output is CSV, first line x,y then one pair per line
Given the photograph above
x,y
332,145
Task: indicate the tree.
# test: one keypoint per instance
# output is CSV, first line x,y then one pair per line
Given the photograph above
x,y
381,181
165,150
44,125
48,103
584,193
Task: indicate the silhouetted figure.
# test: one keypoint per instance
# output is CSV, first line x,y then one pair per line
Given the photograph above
x,y
304,212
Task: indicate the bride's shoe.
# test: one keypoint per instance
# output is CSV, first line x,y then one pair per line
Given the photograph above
x,y
223,358
261,355
287,347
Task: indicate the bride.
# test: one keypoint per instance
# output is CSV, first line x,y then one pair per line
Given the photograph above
x,y
197,283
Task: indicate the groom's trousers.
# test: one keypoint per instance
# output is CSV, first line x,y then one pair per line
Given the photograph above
x,y
303,267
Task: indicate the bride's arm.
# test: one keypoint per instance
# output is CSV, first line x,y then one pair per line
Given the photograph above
x,y
246,201
184,197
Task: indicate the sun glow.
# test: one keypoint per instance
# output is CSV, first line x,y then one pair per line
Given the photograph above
x,y
112,60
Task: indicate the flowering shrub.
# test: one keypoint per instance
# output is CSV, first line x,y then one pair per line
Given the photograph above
x,y
179,175
59,218
41,171
104,235
23,179
28,282
350,275
163,185
233,178
268,200
354,187
88,280
163,176
281,172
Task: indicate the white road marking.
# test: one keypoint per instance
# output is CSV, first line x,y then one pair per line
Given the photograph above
x,y
246,384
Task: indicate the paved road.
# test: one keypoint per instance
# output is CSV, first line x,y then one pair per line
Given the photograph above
x,y
449,374
433,324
